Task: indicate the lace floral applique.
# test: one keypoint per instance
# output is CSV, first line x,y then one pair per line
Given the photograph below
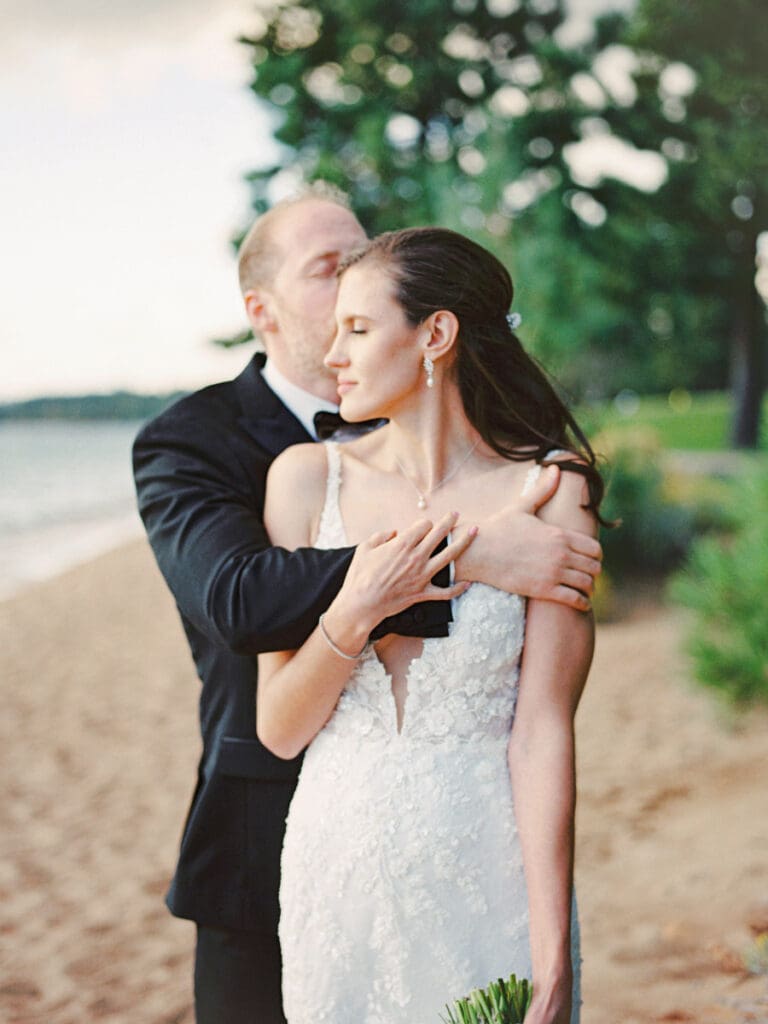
x,y
402,874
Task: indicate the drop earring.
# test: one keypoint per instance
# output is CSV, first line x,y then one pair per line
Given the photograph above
x,y
429,369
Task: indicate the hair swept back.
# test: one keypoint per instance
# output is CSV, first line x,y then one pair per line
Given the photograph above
x,y
507,396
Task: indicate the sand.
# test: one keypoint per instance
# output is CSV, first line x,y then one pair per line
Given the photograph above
x,y
98,752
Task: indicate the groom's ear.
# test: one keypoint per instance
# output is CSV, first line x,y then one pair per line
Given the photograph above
x,y
258,310
443,328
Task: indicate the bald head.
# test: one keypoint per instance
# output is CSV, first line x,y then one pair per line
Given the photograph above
x,y
259,255
288,265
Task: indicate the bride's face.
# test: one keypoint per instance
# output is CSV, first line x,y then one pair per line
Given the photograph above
x,y
375,353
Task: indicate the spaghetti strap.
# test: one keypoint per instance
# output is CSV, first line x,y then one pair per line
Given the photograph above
x,y
534,472
331,533
333,484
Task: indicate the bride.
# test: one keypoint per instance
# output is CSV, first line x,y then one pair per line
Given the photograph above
x,y
429,844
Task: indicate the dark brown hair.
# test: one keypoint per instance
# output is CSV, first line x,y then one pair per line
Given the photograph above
x,y
507,396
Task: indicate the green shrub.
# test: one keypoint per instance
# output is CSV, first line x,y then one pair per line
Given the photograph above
x,y
710,500
654,533
725,583
700,421
756,955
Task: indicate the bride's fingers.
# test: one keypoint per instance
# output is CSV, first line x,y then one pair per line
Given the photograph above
x,y
438,533
416,533
433,593
380,537
452,551
422,533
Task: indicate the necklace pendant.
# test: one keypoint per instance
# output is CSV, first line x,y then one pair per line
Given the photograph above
x,y
422,501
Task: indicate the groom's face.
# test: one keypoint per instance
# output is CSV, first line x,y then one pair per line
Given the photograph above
x,y
309,240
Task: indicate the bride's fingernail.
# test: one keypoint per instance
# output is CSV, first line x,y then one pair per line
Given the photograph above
x,y
473,531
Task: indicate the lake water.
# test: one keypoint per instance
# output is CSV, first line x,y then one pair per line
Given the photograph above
x,y
66,494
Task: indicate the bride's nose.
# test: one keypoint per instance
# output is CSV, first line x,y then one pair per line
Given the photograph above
x,y
336,357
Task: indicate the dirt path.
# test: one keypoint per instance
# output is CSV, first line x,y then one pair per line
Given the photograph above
x,y
98,753
673,837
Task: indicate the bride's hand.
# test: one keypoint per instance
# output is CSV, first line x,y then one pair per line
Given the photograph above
x,y
550,1006
392,571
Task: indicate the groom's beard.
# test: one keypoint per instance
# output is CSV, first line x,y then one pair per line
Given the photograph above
x,y
308,346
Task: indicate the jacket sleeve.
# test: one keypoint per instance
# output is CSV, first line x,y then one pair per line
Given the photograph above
x,y
201,500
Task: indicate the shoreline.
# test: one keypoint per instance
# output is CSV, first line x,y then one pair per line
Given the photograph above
x,y
68,496
43,555
99,753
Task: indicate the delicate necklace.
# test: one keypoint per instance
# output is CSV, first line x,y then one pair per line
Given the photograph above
x,y
425,495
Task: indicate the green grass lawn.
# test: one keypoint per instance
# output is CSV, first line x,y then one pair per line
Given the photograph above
x,y
696,422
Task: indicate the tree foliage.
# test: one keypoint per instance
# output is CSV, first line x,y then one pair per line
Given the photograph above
x,y
470,114
724,584
715,204
431,111
462,114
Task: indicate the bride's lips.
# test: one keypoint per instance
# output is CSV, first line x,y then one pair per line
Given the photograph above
x,y
343,386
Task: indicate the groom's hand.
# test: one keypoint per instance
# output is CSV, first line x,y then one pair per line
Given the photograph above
x,y
516,552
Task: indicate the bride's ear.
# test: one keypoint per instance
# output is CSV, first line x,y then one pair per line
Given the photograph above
x,y
438,334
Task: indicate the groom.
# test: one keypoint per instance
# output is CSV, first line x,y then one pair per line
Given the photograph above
x,y
200,470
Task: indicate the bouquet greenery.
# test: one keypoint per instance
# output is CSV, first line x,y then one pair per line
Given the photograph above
x,y
503,1002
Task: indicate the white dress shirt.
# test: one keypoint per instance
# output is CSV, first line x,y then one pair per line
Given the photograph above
x,y
301,403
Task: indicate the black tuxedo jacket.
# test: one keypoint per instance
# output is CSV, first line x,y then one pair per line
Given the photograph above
x,y
200,470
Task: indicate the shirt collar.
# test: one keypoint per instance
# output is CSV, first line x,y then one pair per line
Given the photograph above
x,y
301,403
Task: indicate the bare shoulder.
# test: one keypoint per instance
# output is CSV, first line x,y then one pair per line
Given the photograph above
x,y
566,507
301,461
296,485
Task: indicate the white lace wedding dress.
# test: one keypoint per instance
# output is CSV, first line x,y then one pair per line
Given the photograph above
x,y
402,877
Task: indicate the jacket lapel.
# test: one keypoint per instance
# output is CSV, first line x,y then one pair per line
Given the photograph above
x,y
264,416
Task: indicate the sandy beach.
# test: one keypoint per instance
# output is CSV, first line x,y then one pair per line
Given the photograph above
x,y
99,748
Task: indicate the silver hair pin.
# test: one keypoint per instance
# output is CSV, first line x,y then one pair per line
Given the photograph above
x,y
514,320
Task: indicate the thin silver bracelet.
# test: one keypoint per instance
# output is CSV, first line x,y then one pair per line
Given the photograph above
x,y
338,650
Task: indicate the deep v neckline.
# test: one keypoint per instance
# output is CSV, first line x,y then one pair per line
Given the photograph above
x,y
372,656
332,522
331,515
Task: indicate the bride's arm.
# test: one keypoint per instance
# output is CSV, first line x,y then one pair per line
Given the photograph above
x,y
298,690
556,659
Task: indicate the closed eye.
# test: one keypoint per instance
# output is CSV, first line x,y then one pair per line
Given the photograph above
x,y
325,267
358,324
353,323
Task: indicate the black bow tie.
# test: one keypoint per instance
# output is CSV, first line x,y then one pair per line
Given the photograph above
x,y
328,424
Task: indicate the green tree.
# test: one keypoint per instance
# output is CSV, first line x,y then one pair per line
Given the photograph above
x,y
468,114
715,204
413,108
462,115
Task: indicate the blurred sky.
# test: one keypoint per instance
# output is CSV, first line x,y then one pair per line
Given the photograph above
x,y
125,129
